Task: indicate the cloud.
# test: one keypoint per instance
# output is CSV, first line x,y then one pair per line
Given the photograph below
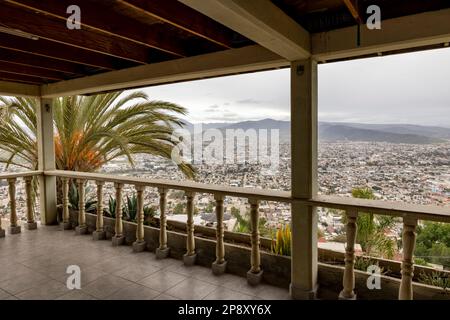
x,y
249,101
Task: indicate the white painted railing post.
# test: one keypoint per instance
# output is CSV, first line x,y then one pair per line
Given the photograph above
x,y
82,227
190,256
66,225
219,266
254,275
409,240
31,224
13,227
163,251
139,245
99,233
118,238
348,281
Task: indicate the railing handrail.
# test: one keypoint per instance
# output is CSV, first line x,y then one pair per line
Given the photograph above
x,y
189,186
21,174
390,208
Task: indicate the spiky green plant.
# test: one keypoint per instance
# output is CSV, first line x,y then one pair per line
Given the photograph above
x,y
437,279
130,208
90,131
74,198
282,243
112,205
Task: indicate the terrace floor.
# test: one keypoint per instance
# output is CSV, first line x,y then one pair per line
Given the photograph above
x,y
33,265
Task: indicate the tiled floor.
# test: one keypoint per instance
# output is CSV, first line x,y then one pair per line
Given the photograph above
x,y
33,265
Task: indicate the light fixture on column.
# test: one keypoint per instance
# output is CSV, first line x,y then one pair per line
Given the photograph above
x,y
19,33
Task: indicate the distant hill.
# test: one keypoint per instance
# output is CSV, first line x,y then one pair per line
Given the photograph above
x,y
334,131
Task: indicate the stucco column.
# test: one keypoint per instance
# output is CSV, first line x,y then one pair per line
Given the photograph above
x,y
304,178
46,161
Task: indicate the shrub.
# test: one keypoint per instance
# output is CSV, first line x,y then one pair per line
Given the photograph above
x,y
282,243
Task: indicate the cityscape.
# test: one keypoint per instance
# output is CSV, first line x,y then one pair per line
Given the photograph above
x,y
412,173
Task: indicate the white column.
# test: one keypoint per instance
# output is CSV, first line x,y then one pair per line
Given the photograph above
x,y
99,233
31,224
82,227
190,256
46,161
66,214
139,245
409,242
163,251
118,238
14,227
304,178
348,281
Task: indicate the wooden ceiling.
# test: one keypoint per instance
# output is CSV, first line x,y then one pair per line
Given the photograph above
x,y
325,15
118,34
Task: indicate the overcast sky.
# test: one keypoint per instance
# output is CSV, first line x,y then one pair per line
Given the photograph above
x,y
410,88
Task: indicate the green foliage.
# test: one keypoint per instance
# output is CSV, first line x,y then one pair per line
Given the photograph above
x,y
91,130
282,243
363,263
90,203
130,208
433,243
112,205
420,262
210,207
436,278
180,208
372,228
149,212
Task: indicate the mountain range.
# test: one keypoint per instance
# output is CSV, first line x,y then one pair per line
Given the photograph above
x,y
346,131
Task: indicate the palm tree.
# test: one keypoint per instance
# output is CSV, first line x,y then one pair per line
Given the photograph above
x,y
372,228
90,131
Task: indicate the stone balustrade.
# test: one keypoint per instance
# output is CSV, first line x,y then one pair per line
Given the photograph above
x,y
409,214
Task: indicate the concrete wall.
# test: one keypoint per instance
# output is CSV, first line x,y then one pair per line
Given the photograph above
x,y
277,269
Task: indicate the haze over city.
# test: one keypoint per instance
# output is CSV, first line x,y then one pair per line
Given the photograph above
x,y
375,90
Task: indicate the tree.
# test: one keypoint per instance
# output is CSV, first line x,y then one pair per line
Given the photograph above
x,y
179,208
433,243
372,228
90,131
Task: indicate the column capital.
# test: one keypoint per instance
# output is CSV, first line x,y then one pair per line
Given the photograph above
x,y
219,196
12,180
139,187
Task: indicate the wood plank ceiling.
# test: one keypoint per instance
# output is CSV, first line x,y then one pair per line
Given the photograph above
x,y
118,34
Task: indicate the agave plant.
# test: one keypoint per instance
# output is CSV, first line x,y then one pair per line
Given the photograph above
x,y
130,209
112,204
74,198
282,243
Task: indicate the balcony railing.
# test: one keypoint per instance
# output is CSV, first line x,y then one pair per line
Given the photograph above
x,y
410,215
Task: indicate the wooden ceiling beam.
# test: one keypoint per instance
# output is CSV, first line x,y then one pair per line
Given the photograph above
x,y
8,88
99,18
60,51
53,29
27,59
226,62
260,21
31,71
185,18
20,78
352,6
